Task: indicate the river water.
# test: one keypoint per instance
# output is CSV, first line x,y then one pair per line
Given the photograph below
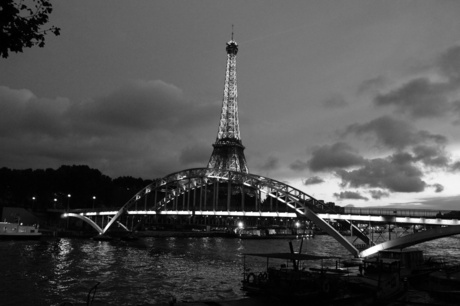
x,y
147,271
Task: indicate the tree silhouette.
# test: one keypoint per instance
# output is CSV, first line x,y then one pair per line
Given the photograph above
x,y
21,24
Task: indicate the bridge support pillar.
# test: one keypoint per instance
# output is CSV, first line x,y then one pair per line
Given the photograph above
x,y
242,197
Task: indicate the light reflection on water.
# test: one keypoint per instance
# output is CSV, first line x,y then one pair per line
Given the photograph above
x,y
147,271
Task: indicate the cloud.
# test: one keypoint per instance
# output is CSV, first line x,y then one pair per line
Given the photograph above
x,y
438,188
378,194
449,64
389,173
393,133
195,155
433,156
142,129
313,180
336,101
23,112
420,98
456,111
371,85
271,163
456,166
350,195
298,165
139,106
423,97
329,157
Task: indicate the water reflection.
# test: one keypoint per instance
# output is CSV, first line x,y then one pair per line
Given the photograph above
x,y
149,271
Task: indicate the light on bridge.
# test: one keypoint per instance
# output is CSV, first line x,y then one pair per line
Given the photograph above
x,y
240,225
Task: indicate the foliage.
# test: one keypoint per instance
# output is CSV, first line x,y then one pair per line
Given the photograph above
x,y
21,24
18,187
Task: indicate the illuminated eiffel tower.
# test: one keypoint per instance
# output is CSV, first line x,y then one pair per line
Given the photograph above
x,y
228,148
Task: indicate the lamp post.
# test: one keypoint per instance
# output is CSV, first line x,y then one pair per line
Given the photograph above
x,y
55,200
68,207
33,203
94,199
68,201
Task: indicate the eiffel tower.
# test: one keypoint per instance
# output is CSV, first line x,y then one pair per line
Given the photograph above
x,y
228,148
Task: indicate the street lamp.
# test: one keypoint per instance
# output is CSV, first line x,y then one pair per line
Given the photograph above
x,y
55,200
33,203
94,199
68,201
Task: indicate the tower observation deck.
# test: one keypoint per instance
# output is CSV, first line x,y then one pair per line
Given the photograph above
x,y
228,149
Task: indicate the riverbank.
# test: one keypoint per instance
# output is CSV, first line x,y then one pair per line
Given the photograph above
x,y
167,233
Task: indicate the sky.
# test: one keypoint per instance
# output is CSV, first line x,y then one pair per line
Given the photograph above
x,y
353,102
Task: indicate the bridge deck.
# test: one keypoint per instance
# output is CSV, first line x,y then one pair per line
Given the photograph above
x,y
349,217
390,219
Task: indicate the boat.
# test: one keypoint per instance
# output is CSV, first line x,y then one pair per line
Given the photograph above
x,y
412,263
269,233
287,276
17,231
443,283
382,277
298,277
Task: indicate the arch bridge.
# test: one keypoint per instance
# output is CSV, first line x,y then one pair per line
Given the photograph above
x,y
214,192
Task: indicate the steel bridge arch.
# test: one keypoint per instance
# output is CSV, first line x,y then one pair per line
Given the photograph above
x,y
175,184
413,239
87,220
178,183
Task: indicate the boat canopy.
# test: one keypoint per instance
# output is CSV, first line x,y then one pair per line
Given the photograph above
x,y
292,256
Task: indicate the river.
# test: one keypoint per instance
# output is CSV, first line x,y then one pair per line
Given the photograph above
x,y
147,271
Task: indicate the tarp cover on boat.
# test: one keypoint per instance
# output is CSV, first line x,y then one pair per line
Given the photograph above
x,y
293,256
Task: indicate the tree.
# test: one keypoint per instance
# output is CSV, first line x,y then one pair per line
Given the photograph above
x,y
21,24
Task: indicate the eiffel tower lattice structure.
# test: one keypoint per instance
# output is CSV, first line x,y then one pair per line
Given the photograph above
x,y
228,149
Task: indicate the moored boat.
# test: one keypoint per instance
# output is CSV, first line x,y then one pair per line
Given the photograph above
x,y
297,277
16,231
444,283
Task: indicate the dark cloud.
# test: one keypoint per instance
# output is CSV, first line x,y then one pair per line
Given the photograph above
x,y
423,98
298,165
456,111
386,174
402,158
141,129
393,133
438,188
196,155
271,163
336,101
313,180
420,98
372,85
338,155
24,113
140,106
350,195
456,166
449,64
433,156
378,194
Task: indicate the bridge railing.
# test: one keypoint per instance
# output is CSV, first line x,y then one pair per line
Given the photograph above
x,y
421,213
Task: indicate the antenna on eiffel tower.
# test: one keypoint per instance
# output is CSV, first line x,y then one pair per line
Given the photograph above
x,y
228,149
